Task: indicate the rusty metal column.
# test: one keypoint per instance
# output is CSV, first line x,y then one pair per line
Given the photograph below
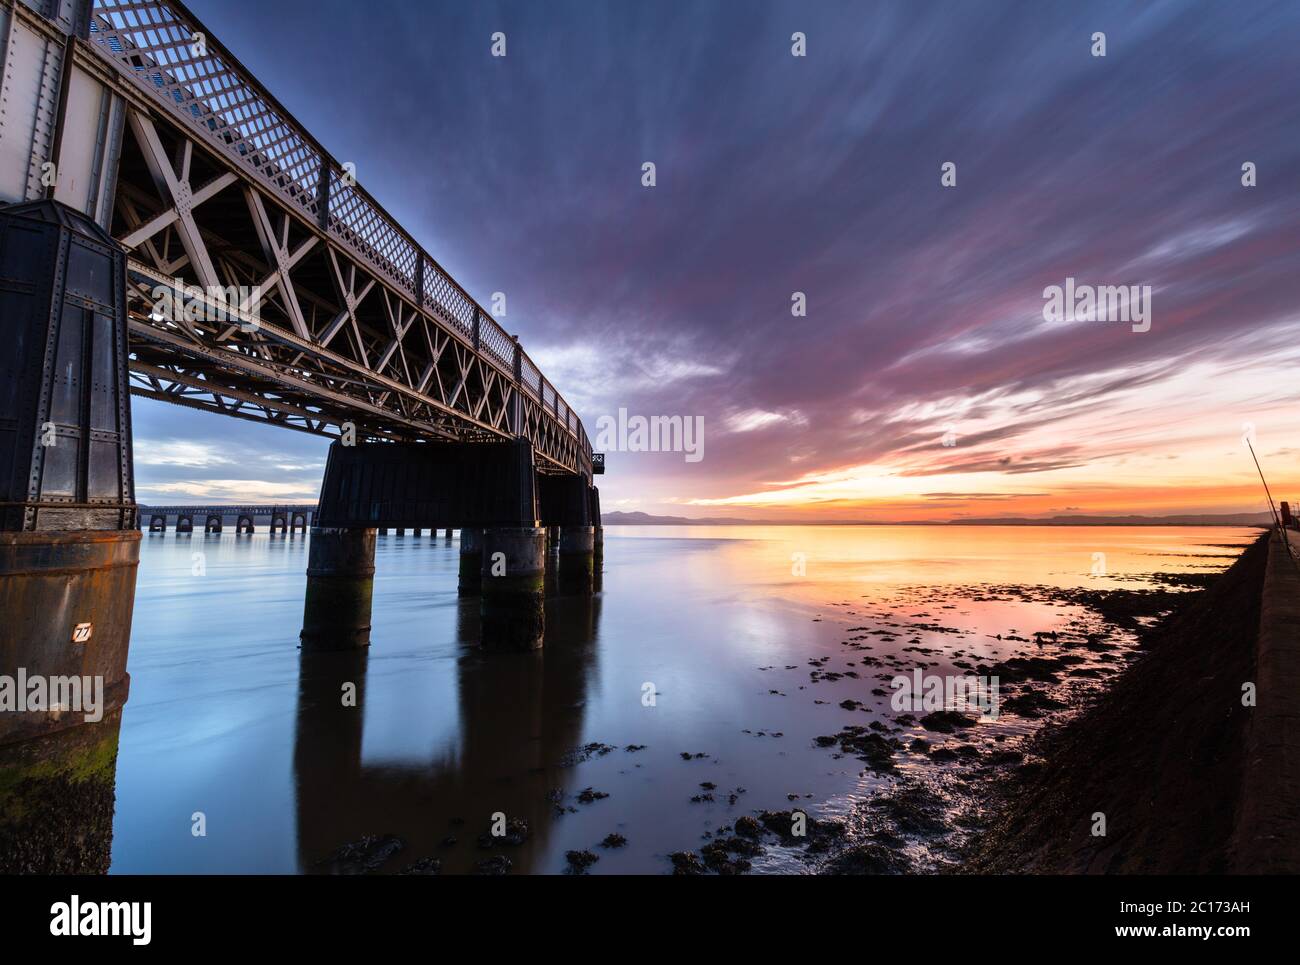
x,y
69,540
340,582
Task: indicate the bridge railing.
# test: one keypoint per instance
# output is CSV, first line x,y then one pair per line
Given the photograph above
x,y
171,55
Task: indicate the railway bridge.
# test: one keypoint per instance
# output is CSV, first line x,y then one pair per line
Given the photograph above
x,y
169,231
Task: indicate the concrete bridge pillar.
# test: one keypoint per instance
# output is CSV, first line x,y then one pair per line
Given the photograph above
x,y
213,524
513,587
157,523
184,523
340,580
244,524
448,534
576,570
471,562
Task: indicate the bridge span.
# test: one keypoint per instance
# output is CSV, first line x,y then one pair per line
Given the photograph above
x,y
170,231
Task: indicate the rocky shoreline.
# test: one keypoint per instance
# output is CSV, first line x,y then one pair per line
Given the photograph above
x,y
1159,753
1144,725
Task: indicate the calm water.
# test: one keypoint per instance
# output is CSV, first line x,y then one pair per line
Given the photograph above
x,y
226,716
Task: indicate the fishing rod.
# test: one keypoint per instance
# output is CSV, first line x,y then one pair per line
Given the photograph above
x,y
1273,509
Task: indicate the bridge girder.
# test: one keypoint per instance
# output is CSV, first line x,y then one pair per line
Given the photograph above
x,y
207,180
326,335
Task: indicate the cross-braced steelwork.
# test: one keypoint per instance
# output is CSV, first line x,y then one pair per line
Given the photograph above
x,y
305,304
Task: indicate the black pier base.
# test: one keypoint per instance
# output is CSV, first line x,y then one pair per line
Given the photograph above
x,y
512,518
577,554
340,581
513,589
471,562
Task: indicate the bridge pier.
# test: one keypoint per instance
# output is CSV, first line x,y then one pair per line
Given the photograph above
x,y
157,524
576,559
340,581
598,539
244,525
184,523
69,537
59,796
494,492
570,509
68,597
213,524
471,562
513,588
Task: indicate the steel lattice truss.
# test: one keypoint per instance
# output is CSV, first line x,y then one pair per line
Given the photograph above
x,y
219,188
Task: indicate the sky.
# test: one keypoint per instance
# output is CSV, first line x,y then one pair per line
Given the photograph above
x,y
924,380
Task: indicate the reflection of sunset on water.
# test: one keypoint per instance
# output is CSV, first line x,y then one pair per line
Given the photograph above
x,y
743,657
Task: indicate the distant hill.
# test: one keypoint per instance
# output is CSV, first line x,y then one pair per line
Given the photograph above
x,y
1204,519
645,519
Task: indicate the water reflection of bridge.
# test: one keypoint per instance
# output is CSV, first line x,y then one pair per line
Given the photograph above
x,y
519,716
